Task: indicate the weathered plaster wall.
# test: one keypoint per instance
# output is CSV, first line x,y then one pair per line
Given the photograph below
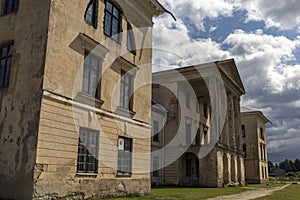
x,y
56,163
20,102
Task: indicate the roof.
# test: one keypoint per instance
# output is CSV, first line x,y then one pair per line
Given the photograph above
x,y
162,8
227,68
245,110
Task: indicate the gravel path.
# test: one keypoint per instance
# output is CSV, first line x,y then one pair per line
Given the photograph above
x,y
251,194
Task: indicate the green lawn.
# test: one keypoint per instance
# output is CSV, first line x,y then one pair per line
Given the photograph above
x,y
291,192
186,193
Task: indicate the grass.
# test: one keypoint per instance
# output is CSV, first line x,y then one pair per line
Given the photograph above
x,y
165,193
291,192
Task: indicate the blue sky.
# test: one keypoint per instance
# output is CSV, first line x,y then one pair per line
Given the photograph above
x,y
264,39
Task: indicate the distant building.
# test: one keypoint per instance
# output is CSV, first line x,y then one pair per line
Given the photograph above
x,y
66,133
190,128
254,145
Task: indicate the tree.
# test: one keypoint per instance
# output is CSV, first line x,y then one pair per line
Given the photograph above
x,y
271,167
297,165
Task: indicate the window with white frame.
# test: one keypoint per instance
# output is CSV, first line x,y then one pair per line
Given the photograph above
x,y
87,159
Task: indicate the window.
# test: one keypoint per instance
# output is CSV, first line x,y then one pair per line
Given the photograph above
x,y
155,165
91,13
91,71
266,173
197,137
112,21
126,90
245,149
155,131
10,6
130,39
243,131
5,64
261,131
188,134
197,106
263,172
205,109
261,152
124,157
205,138
188,169
87,160
187,101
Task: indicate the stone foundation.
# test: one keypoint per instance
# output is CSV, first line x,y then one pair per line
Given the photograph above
x,y
89,189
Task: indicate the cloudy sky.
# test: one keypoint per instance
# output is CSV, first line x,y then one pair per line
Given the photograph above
x,y
264,39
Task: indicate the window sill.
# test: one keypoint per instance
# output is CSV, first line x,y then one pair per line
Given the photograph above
x,y
123,175
93,175
89,100
124,112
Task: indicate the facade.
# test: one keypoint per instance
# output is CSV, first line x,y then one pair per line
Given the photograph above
x,y
255,145
197,150
69,124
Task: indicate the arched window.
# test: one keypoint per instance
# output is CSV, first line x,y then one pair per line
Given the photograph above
x,y
112,21
130,39
91,13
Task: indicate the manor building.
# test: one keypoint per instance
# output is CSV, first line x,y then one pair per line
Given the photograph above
x,y
70,124
255,145
201,135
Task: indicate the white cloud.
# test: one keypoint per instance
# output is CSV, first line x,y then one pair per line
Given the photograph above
x,y
174,48
275,13
262,59
195,11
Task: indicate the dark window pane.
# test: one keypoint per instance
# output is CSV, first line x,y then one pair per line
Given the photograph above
x,y
109,6
116,12
91,13
5,64
10,6
112,21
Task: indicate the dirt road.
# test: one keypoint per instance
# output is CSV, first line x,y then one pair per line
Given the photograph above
x,y
251,194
